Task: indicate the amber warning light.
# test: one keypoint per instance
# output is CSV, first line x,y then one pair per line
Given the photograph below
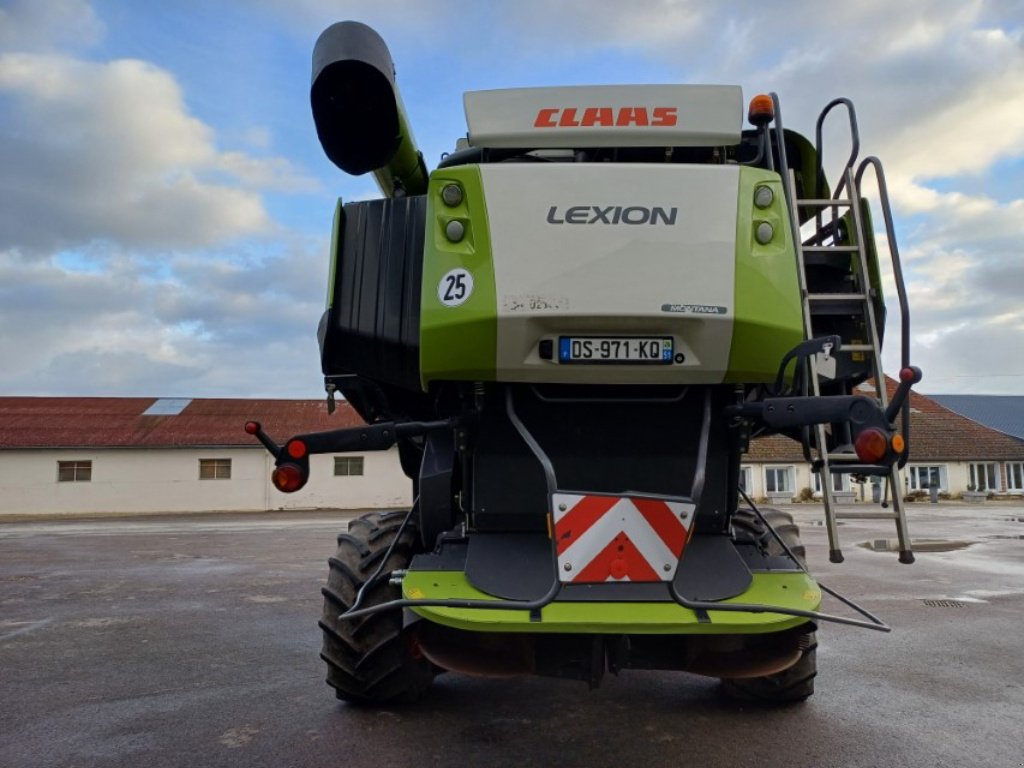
x,y
761,110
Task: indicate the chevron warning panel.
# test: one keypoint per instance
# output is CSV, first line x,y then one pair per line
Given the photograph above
x,y
600,537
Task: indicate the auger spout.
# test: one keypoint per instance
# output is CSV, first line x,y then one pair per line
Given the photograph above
x,y
358,112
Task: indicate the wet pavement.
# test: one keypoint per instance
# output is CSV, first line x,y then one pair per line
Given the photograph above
x,y
193,641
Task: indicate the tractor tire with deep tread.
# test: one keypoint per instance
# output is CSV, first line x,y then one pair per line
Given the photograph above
x,y
791,685
750,526
371,660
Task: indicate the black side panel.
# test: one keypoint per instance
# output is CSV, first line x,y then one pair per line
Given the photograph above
x,y
515,566
711,569
372,327
601,440
436,506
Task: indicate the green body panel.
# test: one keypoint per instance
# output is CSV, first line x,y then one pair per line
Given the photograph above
x,y
405,169
460,343
457,343
788,590
768,321
803,162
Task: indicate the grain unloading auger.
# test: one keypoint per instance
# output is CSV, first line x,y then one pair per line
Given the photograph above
x,y
571,329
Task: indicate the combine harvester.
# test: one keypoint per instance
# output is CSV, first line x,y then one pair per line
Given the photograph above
x,y
572,329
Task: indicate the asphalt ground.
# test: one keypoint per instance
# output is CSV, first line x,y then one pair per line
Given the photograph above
x,y
192,641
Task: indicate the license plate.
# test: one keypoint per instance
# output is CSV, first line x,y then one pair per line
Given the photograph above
x,y
656,350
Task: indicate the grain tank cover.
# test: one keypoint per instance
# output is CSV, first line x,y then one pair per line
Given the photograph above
x,y
606,116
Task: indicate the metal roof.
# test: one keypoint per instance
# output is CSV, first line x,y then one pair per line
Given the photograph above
x,y
167,406
1001,412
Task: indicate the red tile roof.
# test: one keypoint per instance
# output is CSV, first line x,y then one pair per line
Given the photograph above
x,y
118,422
936,434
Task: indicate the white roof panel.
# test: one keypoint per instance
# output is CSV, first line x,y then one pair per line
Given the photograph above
x,y
606,116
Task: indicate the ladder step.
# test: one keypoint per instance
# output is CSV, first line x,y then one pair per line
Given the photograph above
x,y
814,202
830,249
857,348
866,516
843,457
840,261
845,468
836,297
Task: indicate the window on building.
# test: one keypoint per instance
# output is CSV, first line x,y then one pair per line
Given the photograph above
x,y
346,466
1015,476
74,471
985,476
839,482
778,479
746,480
215,469
921,478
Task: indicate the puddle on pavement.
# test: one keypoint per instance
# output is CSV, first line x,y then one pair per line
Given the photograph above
x,y
918,545
1014,519
1004,536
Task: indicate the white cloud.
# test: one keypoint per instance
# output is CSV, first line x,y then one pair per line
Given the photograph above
x,y
266,173
109,151
172,325
28,25
973,129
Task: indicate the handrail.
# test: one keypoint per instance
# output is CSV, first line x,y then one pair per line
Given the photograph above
x,y
897,273
794,222
854,141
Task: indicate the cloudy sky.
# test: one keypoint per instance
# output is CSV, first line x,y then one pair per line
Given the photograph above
x,y
165,206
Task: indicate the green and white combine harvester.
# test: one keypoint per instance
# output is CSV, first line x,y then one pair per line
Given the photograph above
x,y
572,329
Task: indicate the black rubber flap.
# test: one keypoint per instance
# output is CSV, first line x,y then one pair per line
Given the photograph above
x,y
451,557
711,569
514,566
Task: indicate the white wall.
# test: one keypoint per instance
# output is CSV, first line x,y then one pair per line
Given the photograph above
x,y
167,480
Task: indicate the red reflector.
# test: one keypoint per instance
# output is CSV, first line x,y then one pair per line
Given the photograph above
x,y
296,449
252,427
288,478
871,445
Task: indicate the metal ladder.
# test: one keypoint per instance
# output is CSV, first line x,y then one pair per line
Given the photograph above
x,y
858,300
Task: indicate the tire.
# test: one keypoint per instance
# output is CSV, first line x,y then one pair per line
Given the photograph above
x,y
795,684
371,660
749,526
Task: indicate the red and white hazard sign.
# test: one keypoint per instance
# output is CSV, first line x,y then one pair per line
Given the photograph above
x,y
619,538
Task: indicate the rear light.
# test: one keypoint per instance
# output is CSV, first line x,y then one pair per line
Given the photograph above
x,y
296,449
872,445
898,444
288,478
